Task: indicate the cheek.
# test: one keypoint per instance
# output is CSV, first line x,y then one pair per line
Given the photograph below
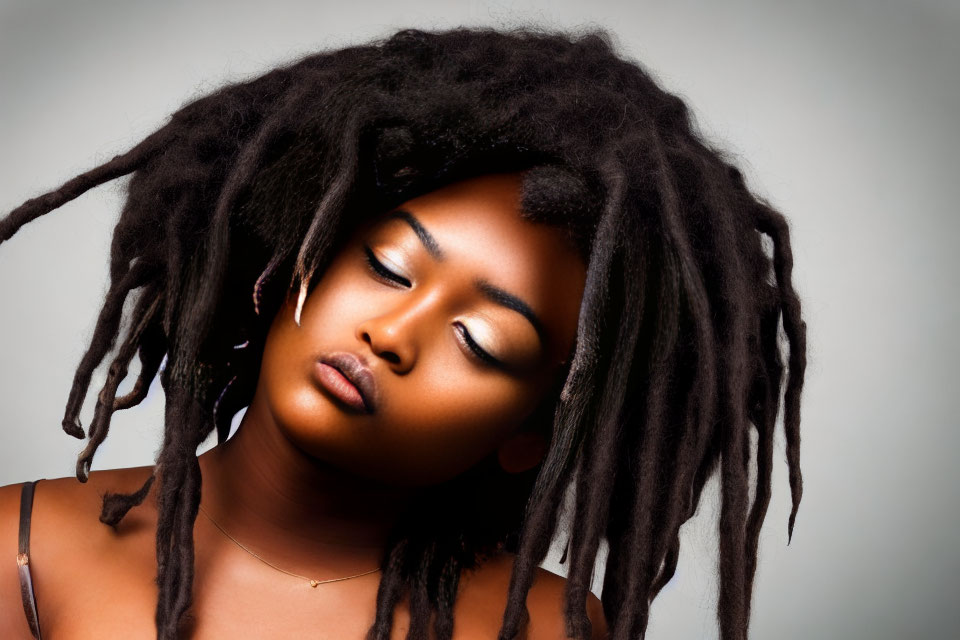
x,y
290,353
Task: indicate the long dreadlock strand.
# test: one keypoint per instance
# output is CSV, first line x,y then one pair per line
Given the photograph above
x,y
389,591
646,453
541,520
152,346
733,478
104,335
118,166
578,387
534,544
147,307
178,501
595,487
764,417
185,518
420,607
775,226
693,427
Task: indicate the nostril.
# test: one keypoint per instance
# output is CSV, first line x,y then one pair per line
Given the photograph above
x,y
390,356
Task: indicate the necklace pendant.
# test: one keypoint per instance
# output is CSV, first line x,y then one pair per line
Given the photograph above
x,y
314,583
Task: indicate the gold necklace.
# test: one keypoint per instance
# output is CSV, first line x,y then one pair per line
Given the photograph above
x,y
313,583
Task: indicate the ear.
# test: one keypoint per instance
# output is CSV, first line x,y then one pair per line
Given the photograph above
x,y
521,451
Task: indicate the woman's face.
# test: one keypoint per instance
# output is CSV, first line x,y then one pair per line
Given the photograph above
x,y
463,315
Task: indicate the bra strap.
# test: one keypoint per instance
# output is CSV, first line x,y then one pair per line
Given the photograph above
x,y
23,559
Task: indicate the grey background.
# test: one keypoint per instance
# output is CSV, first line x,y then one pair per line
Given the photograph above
x,y
843,115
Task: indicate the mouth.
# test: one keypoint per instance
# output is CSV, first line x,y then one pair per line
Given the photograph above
x,y
347,378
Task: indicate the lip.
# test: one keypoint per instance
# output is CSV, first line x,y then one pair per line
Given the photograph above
x,y
347,377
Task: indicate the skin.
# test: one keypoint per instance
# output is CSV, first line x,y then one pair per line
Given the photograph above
x,y
314,486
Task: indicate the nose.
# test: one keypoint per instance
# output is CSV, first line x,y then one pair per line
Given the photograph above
x,y
396,334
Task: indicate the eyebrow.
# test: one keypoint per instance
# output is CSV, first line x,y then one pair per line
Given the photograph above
x,y
490,291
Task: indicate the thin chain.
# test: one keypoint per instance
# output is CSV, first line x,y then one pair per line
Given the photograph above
x,y
313,583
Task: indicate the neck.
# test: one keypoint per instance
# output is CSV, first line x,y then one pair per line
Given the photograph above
x,y
296,511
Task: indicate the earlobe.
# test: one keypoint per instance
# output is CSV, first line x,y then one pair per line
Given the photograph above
x,y
521,452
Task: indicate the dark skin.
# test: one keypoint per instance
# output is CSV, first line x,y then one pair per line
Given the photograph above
x,y
312,485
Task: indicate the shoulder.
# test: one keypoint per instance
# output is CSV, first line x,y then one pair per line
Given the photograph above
x,y
545,601
65,533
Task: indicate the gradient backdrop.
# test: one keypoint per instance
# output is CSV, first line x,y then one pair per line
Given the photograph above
x,y
842,114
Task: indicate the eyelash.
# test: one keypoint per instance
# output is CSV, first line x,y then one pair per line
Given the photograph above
x,y
381,272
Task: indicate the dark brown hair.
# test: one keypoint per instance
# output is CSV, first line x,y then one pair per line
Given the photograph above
x,y
678,350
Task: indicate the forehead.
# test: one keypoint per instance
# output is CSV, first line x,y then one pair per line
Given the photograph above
x,y
477,225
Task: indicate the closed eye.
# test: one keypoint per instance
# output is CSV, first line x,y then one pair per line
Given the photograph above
x,y
475,348
383,273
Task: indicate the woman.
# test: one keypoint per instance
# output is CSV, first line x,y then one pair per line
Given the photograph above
x,y
484,266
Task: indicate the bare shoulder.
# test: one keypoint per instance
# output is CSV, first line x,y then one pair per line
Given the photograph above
x,y
64,532
545,601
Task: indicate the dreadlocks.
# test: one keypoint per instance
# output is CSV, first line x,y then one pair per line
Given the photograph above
x,y
677,355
